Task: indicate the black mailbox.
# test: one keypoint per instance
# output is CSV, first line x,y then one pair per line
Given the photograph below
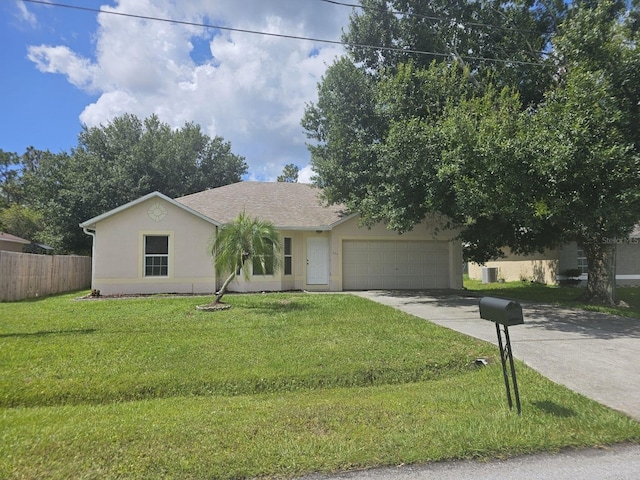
x,y
499,310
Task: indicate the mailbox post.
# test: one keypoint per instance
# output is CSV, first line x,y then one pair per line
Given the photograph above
x,y
504,313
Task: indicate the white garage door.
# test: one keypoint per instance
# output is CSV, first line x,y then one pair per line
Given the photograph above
x,y
370,265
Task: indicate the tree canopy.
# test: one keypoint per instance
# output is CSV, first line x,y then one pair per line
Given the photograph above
x,y
243,240
289,174
524,136
112,165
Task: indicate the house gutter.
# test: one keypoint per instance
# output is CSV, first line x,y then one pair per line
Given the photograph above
x,y
92,233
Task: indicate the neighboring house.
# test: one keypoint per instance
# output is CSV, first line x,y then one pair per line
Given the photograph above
x,y
156,244
11,243
551,266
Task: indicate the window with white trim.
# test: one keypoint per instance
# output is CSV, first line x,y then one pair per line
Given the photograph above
x,y
156,256
582,261
288,256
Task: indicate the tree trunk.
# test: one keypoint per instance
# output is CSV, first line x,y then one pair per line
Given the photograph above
x,y
223,289
601,281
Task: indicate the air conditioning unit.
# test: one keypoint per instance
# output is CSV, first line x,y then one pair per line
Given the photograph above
x,y
489,274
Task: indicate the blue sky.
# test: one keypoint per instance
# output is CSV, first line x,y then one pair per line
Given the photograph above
x,y
63,68
40,109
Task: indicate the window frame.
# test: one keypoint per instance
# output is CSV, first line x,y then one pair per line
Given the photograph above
x,y
142,255
288,256
583,266
163,266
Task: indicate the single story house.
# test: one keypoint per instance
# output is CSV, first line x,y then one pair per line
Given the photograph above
x,y
11,243
551,266
157,244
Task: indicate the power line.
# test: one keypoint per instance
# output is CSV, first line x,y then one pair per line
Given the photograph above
x,y
426,17
280,35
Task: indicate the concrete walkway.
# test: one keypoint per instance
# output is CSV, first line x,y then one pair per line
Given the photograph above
x,y
594,354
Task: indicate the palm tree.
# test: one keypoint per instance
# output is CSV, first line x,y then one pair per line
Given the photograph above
x,y
245,239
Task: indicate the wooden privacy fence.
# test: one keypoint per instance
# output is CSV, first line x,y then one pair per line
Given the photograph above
x,y
24,275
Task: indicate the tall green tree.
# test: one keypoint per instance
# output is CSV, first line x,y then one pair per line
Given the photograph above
x,y
26,194
21,221
489,166
504,41
136,156
289,174
119,162
589,140
8,173
244,240
510,162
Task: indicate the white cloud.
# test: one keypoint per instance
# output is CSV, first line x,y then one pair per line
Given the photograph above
x,y
60,59
25,15
250,89
305,174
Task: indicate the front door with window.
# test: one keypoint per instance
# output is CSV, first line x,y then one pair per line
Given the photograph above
x,y
317,261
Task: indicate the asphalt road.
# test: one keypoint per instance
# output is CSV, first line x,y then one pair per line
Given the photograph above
x,y
618,463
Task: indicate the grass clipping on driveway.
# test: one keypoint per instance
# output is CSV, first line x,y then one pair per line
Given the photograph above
x,y
278,386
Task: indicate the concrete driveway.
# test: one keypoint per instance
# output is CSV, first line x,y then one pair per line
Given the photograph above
x,y
595,354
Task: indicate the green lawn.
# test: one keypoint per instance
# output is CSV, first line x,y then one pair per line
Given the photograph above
x,y
278,386
565,296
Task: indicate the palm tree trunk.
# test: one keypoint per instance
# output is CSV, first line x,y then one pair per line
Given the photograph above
x,y
223,289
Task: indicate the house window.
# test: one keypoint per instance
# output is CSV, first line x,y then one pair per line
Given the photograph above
x,y
288,258
156,256
263,264
582,262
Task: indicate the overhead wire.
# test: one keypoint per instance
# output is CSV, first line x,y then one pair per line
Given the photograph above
x,y
464,23
281,35
425,17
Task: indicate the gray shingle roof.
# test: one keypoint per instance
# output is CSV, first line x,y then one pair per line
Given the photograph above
x,y
294,205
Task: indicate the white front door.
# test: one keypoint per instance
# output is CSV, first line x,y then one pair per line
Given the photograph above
x,y
317,261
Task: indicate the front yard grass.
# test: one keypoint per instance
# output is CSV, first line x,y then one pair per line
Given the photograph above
x,y
278,386
564,296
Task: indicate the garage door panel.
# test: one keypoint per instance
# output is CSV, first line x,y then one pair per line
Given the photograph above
x,y
404,257
360,258
395,264
417,269
419,256
403,270
388,270
398,246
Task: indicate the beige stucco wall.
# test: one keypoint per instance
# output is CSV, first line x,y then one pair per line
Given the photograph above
x,y
298,279
119,252
11,246
628,262
551,265
279,281
348,230
118,262
538,267
567,257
